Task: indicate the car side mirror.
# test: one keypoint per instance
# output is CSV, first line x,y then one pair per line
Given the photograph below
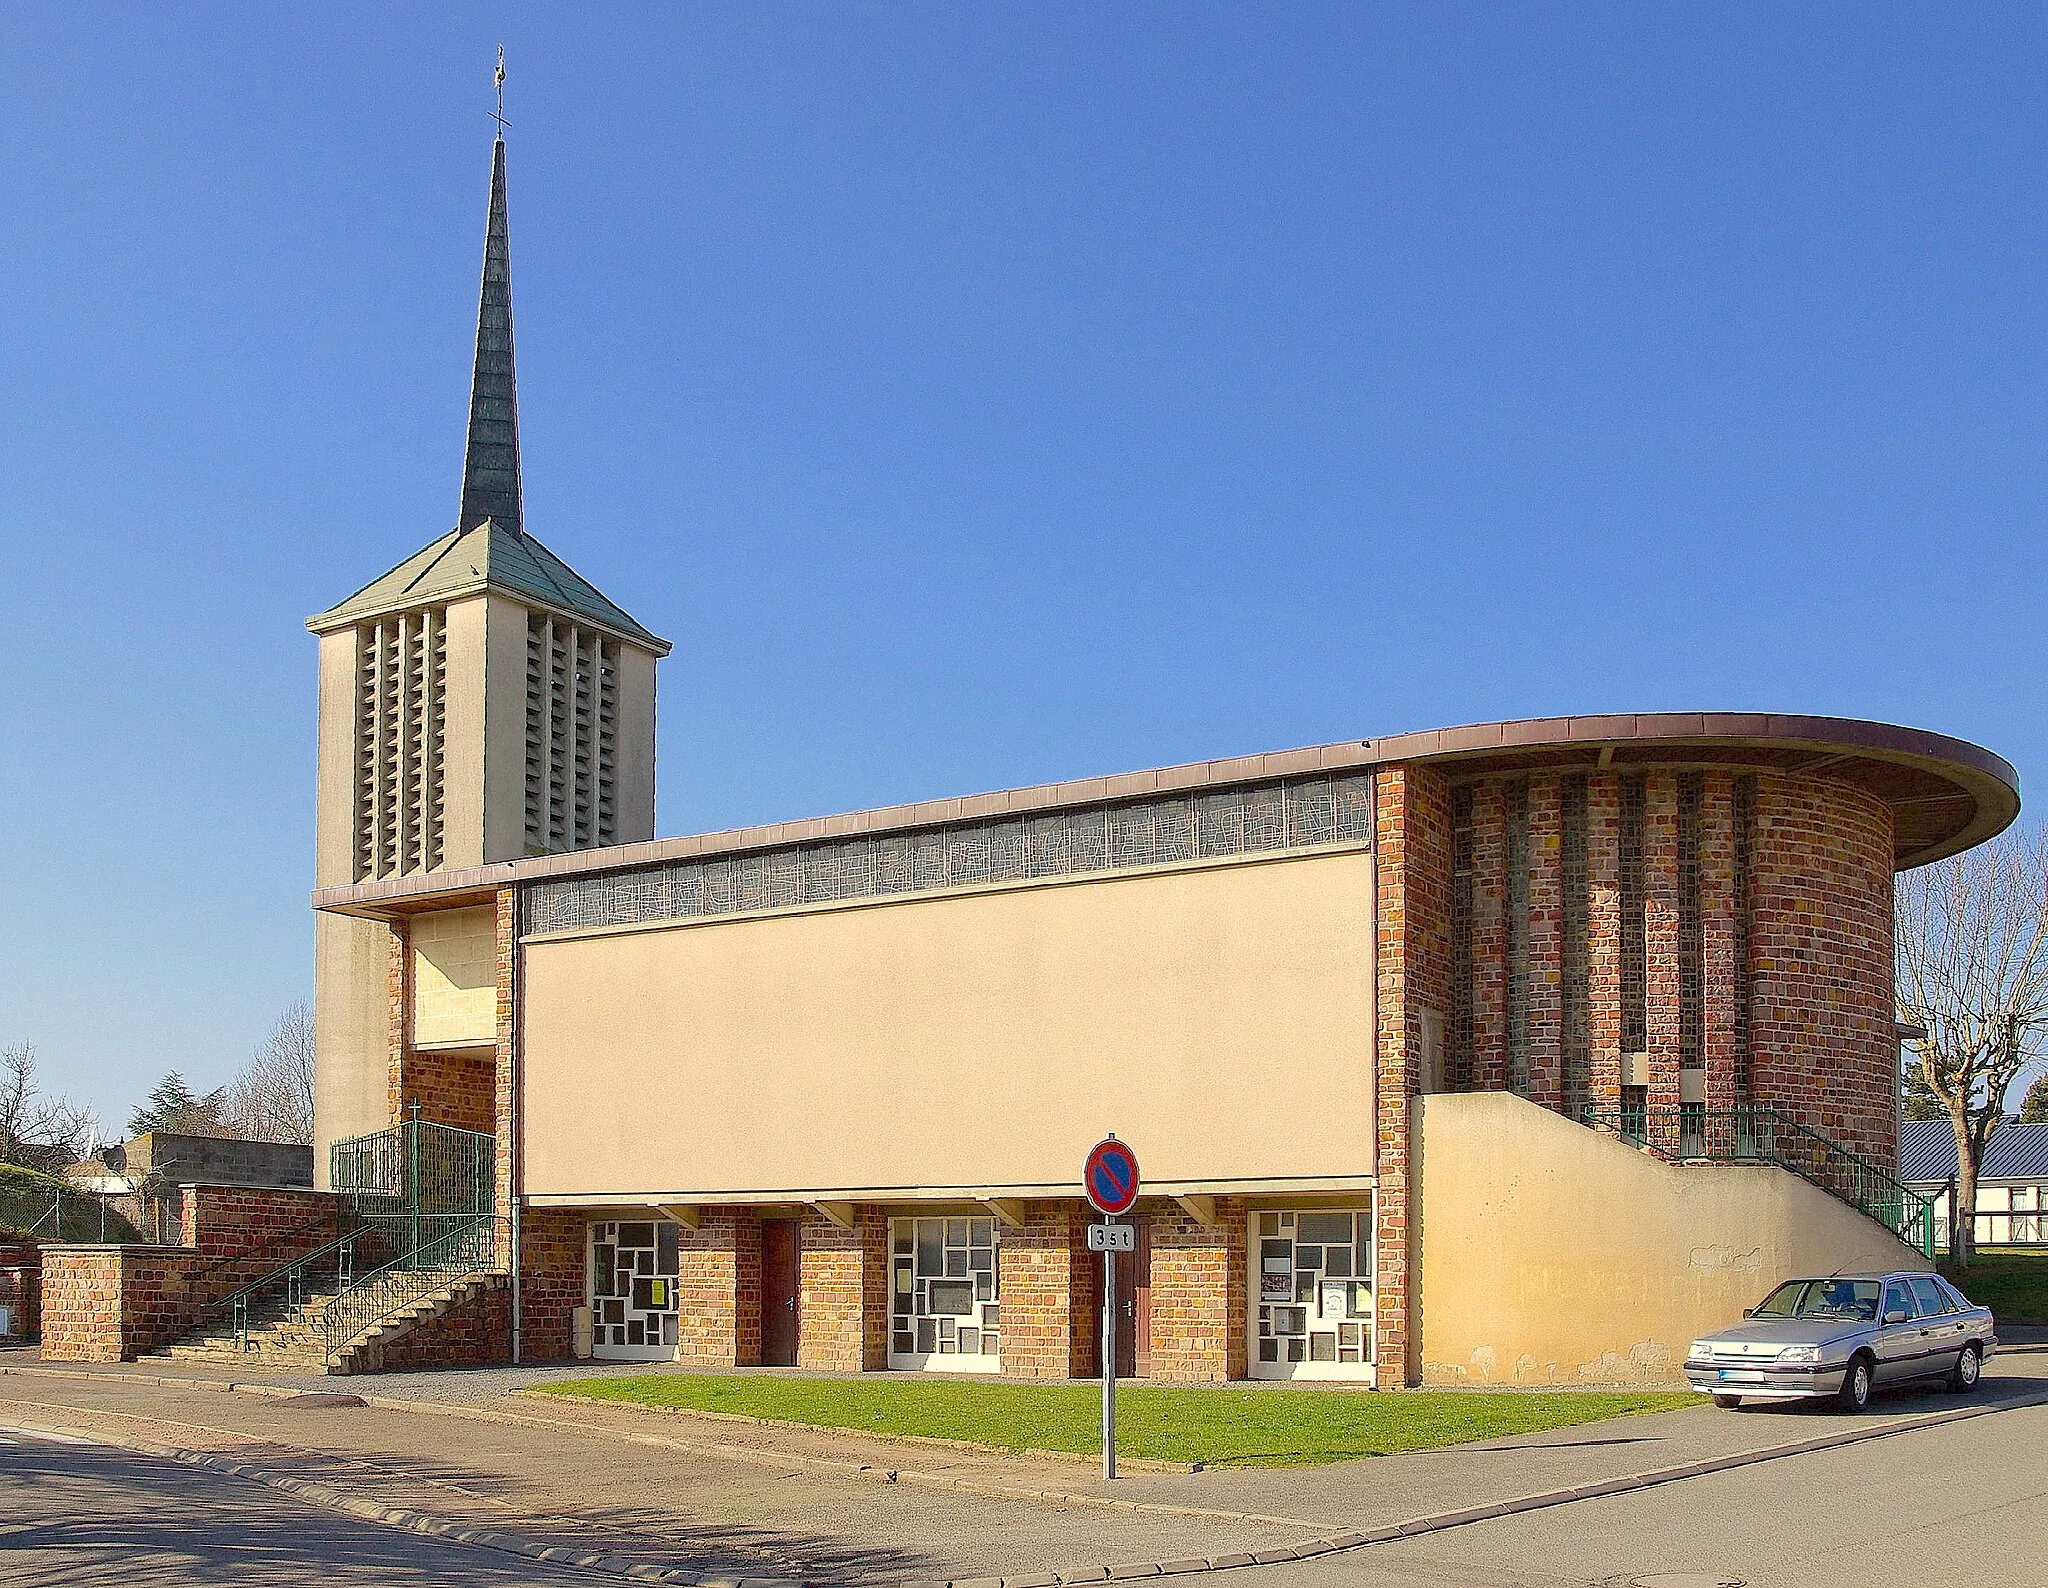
x,y
1749,1312
1896,1315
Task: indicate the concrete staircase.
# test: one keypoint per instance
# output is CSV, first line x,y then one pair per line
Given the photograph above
x,y
293,1340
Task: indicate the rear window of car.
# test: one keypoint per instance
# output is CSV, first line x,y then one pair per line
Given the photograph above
x,y
1854,1299
1959,1302
1928,1299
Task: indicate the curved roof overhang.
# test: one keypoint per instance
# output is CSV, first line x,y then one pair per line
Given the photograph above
x,y
1945,795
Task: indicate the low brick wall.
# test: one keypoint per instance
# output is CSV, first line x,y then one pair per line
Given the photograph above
x,y
114,1303
21,1272
478,1333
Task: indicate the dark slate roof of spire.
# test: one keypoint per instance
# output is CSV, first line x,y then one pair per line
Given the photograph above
x,y
489,549
490,467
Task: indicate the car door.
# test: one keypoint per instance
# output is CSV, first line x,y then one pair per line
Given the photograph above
x,y
1941,1327
1897,1341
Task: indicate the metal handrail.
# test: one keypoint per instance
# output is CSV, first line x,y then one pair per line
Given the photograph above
x,y
1754,1133
384,1292
292,1280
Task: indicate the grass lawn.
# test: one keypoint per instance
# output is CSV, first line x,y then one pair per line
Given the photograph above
x,y
2014,1285
1220,1427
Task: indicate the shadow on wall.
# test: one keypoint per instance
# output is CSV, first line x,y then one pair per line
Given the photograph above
x,y
1552,1254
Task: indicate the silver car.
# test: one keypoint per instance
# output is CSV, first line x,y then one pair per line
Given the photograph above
x,y
1842,1335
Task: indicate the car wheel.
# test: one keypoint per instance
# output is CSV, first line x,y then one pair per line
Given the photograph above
x,y
1964,1377
1855,1393
1728,1403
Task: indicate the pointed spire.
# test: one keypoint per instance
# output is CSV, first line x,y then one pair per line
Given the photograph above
x,y
490,468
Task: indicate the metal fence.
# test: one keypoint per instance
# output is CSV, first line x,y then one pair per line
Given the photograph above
x,y
1763,1135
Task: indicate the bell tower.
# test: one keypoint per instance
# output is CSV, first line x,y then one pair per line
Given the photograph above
x,y
480,702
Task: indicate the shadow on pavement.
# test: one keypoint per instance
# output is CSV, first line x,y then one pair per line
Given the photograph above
x,y
95,1515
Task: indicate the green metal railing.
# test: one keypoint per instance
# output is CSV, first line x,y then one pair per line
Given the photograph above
x,y
455,1254
1756,1134
417,1199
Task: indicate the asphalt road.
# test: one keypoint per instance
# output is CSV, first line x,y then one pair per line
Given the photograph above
x,y
1964,1505
92,1516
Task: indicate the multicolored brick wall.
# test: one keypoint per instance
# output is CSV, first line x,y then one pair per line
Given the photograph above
x,y
114,1303
553,1244
1049,1300
476,1332
843,1299
1199,1287
1821,1009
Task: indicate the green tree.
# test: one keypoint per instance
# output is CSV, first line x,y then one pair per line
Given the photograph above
x,y
1921,1103
2034,1106
173,1106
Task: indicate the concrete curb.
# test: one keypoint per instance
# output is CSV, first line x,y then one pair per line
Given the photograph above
x,y
493,1538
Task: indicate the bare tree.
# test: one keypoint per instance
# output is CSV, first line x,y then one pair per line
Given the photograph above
x,y
1973,972
272,1098
36,1129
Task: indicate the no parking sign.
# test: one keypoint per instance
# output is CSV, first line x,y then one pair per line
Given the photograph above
x,y
1110,1177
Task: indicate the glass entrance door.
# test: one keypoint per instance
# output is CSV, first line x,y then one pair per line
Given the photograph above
x,y
633,1291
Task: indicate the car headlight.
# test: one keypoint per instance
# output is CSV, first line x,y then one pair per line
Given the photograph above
x,y
1700,1351
1799,1353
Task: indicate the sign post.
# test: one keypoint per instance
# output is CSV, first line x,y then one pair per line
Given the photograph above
x,y
1109,1178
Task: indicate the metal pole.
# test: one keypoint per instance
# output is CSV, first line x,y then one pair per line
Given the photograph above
x,y
1108,1358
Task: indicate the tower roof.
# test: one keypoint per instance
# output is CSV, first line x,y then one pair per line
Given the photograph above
x,y
489,548
489,557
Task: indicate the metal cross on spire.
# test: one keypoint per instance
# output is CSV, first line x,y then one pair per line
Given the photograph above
x,y
499,115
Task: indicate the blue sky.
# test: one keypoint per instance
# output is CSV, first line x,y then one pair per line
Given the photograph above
x,y
985,395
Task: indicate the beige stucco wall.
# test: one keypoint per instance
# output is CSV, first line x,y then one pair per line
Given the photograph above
x,y
462,733
633,783
334,785
351,1032
454,977
1553,1254
1219,1019
502,731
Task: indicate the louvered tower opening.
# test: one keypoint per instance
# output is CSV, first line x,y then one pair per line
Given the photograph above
x,y
400,720
572,715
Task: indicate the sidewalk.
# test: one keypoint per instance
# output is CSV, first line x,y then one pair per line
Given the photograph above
x,y
678,1492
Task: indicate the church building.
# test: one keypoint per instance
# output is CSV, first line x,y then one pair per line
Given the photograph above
x,y
1508,1053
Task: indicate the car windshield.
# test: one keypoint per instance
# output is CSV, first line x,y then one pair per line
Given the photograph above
x,y
1822,1298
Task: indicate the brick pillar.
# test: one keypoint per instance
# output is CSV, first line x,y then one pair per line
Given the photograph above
x,y
1412,844
553,1279
1660,933
398,1016
504,1072
1546,942
1198,1294
843,1284
1048,1282
1603,940
1489,939
1722,980
718,1290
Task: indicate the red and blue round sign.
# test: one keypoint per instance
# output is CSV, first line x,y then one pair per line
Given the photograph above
x,y
1110,1177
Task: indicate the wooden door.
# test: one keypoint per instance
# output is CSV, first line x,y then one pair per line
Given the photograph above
x,y
1133,1306
779,1319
